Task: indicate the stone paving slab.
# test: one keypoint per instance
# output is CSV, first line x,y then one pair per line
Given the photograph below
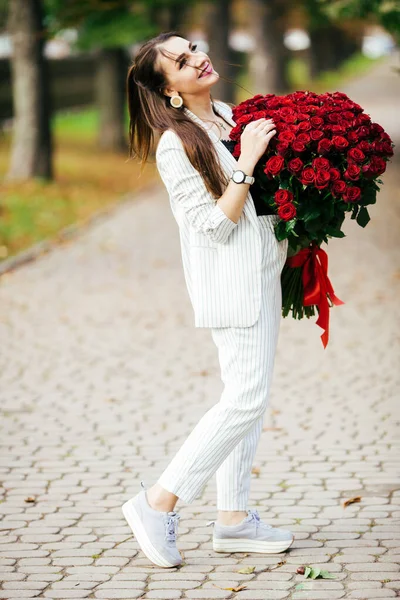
x,y
103,375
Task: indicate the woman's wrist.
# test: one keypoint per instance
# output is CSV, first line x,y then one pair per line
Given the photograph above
x,y
246,164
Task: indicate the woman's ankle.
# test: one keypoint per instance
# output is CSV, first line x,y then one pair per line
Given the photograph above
x,y
160,499
231,517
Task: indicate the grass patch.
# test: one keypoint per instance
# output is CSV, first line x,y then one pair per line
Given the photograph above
x,y
87,180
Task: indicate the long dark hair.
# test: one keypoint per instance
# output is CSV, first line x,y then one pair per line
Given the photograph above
x,y
150,111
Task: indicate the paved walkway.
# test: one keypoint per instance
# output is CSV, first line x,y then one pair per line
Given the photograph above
x,y
103,375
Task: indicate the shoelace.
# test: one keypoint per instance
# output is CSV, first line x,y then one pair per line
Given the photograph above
x,y
171,526
252,515
171,521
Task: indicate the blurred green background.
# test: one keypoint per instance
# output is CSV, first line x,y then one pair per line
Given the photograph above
x,y
63,114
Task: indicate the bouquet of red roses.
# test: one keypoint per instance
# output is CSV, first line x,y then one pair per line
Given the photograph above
x,y
325,160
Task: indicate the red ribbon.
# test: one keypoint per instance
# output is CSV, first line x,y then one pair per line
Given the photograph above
x,y
316,284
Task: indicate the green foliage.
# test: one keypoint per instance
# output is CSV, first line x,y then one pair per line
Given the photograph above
x,y
107,29
387,12
101,23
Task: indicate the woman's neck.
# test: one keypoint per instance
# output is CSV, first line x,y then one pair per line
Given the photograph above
x,y
202,108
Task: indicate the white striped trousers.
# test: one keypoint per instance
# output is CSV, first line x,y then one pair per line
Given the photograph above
x,y
225,439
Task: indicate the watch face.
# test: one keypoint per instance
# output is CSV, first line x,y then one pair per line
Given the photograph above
x,y
238,176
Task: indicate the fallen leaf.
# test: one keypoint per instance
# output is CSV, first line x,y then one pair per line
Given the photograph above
x,y
30,499
255,470
314,572
351,500
246,570
232,589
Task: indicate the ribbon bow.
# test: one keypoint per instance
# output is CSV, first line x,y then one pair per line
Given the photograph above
x,y
316,284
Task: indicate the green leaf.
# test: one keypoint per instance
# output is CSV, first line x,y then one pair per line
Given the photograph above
x,y
290,225
247,570
307,571
280,230
363,217
326,575
315,571
354,211
334,232
313,214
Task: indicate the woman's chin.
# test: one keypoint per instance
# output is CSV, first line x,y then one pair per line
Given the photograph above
x,y
212,79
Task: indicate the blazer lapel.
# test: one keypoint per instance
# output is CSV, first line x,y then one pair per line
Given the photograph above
x,y
225,111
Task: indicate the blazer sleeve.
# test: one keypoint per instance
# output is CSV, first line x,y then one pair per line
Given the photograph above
x,y
186,187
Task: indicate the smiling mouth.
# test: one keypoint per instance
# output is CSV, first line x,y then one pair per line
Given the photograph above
x,y
206,71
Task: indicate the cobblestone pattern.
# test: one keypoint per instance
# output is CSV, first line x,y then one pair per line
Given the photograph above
x,y
103,375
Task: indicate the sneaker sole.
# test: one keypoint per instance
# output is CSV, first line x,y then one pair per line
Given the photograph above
x,y
246,545
141,536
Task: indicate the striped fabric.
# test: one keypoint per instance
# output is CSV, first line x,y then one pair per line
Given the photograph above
x,y
221,259
225,439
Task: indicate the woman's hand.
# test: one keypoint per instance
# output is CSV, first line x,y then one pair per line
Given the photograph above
x,y
255,139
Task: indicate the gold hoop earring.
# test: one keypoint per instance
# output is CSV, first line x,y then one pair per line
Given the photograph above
x,y
176,101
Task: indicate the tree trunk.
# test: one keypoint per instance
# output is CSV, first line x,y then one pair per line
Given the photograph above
x,y
268,61
31,152
110,84
219,25
330,46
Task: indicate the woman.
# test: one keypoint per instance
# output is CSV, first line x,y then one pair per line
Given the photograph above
x,y
232,263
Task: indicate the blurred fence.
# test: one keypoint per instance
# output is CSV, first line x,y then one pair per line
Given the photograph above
x,y
72,83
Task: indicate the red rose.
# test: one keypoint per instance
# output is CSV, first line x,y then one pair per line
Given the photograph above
x,y
304,138
356,154
320,163
304,125
377,166
295,165
352,137
375,127
365,147
298,146
282,148
334,117
352,194
302,117
352,172
340,142
363,131
324,146
288,114
316,122
338,187
307,176
387,149
283,196
316,134
322,179
338,129
244,120
335,174
286,136
287,211
236,150
274,166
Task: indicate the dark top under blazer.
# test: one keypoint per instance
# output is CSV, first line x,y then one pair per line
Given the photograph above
x,y
261,207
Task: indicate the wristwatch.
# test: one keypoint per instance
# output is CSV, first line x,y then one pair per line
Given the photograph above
x,y
239,176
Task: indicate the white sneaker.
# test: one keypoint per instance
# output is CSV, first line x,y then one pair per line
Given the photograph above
x,y
154,530
250,535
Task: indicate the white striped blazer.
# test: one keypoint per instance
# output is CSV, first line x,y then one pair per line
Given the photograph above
x,y
221,259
